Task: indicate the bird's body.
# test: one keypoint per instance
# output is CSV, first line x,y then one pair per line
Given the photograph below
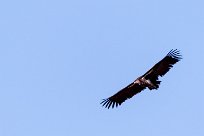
x,y
148,80
145,83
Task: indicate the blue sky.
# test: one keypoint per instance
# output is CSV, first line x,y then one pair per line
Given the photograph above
x,y
59,59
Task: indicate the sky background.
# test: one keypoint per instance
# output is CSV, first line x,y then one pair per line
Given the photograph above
x,y
59,59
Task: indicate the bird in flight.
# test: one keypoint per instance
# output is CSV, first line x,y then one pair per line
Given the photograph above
x,y
148,80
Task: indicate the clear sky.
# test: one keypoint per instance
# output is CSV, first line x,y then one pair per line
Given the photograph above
x,y
59,59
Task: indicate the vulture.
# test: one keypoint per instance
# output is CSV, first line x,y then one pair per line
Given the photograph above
x,y
148,80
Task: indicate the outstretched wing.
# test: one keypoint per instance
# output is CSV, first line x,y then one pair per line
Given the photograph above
x,y
163,66
124,94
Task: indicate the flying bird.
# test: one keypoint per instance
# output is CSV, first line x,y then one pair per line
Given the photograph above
x,y
148,80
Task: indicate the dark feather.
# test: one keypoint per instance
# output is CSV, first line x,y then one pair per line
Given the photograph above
x,y
124,94
163,66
